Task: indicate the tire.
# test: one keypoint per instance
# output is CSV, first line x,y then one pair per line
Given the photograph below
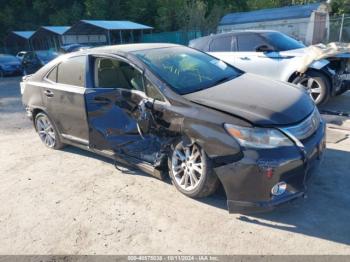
x,y
193,161
317,84
47,131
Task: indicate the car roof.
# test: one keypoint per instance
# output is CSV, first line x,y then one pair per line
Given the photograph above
x,y
237,32
129,47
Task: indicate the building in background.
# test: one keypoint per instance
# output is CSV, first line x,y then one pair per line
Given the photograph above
x,y
48,37
17,41
102,32
307,23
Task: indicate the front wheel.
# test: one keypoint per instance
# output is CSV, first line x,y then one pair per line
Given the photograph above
x,y
317,85
191,172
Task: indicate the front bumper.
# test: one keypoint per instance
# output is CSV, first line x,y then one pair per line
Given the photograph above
x,y
249,181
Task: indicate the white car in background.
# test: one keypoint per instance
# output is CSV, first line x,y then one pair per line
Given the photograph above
x,y
278,56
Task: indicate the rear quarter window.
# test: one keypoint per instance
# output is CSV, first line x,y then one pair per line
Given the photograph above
x,y
72,71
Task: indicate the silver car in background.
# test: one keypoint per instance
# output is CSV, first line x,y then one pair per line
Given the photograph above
x,y
278,56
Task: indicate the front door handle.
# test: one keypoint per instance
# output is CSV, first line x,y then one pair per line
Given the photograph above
x,y
48,93
245,58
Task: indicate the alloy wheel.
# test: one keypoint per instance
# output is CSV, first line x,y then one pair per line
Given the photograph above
x,y
46,131
313,87
187,166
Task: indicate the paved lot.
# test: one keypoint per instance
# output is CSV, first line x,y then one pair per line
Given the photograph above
x,y
74,202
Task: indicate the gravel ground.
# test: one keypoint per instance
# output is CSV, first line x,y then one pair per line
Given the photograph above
x,y
74,202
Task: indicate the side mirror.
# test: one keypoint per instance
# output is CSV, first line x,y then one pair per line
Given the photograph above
x,y
149,104
264,49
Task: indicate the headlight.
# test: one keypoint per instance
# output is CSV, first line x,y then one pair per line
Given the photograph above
x,y
258,137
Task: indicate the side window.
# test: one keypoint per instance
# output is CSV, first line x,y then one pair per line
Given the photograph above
x,y
152,91
113,73
221,44
52,76
72,71
249,42
28,57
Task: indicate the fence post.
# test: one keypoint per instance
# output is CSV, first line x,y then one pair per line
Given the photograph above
x,y
341,28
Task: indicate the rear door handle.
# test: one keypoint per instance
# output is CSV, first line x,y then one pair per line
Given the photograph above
x,y
101,100
245,58
48,93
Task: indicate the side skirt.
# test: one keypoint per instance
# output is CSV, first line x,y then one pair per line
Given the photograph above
x,y
125,160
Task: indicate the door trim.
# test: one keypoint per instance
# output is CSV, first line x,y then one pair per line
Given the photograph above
x,y
76,139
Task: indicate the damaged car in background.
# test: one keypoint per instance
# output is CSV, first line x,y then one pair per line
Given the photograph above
x,y
172,110
324,71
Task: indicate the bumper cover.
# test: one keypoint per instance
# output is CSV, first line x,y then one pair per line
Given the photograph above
x,y
248,182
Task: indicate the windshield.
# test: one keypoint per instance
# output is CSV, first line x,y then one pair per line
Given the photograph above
x,y
46,56
282,42
187,70
8,59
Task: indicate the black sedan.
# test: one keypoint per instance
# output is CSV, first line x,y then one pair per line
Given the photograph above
x,y
169,109
10,65
34,60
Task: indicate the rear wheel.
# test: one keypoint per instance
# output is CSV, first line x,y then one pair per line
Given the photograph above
x,y
191,172
316,84
47,131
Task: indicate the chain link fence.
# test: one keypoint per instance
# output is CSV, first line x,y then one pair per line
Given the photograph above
x,y
339,29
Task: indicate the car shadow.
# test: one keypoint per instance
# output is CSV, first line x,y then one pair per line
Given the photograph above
x,y
125,169
323,214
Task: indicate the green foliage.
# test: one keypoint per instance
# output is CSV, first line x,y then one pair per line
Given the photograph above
x,y
163,15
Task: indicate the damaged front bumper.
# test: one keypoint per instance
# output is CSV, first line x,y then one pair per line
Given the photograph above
x,y
248,182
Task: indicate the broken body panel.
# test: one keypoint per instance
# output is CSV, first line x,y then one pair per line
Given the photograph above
x,y
130,127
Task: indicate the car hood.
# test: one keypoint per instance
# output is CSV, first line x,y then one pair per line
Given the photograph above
x,y
304,51
259,100
11,63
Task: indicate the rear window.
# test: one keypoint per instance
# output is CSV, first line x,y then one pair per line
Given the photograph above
x,y
72,71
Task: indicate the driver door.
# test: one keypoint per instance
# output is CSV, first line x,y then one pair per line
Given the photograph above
x,y
118,110
249,59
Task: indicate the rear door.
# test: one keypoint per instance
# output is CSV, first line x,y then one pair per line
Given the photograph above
x,y
118,110
223,48
64,98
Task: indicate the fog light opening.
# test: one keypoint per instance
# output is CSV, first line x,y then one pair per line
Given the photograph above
x,y
279,189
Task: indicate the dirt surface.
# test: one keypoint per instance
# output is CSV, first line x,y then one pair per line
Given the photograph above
x,y
74,202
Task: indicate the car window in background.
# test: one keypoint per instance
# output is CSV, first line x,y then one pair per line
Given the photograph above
x,y
72,71
221,44
46,56
249,42
282,42
187,70
8,59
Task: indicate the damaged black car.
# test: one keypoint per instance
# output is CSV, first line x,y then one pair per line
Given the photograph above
x,y
172,110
